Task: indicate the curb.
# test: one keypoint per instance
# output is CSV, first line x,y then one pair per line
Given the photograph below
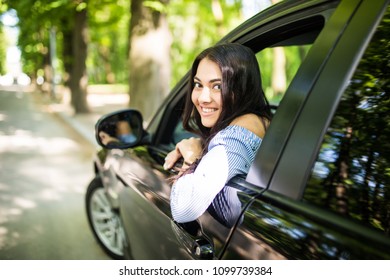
x,y
83,124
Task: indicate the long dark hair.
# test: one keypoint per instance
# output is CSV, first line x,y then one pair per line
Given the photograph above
x,y
241,89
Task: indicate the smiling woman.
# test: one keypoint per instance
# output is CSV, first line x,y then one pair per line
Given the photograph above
x,y
227,108
206,94
278,211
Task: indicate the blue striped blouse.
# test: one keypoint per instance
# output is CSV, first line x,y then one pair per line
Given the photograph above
x,y
230,153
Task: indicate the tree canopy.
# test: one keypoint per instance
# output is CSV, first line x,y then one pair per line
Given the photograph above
x,y
88,42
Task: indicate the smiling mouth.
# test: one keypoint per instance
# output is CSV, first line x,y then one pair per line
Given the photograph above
x,y
208,110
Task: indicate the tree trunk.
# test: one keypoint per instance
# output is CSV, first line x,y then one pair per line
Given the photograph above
x,y
78,81
104,53
279,80
47,73
149,61
67,53
279,71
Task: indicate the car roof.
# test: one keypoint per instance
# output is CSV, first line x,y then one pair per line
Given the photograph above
x,y
275,11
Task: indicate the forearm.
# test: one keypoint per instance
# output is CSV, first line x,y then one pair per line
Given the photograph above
x,y
193,193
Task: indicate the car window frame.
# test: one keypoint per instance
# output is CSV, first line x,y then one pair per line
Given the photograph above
x,y
308,132
249,35
292,103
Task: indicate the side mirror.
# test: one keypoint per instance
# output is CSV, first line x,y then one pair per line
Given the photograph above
x,y
119,130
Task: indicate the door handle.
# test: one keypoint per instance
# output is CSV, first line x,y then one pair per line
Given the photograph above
x,y
192,238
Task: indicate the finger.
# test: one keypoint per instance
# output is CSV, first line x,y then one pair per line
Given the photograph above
x,y
171,159
169,163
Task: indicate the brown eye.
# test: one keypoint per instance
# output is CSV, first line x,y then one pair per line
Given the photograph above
x,y
197,85
217,87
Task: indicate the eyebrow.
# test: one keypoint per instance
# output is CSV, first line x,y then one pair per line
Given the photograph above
x,y
211,81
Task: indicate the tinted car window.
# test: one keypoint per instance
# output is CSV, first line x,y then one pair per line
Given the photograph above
x,y
180,133
351,175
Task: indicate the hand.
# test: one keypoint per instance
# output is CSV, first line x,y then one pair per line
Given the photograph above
x,y
188,149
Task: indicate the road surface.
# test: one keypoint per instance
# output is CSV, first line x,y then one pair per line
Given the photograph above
x,y
45,167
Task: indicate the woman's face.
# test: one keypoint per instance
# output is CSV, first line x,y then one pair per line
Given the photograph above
x,y
206,94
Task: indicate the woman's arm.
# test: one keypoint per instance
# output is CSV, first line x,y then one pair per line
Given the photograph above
x,y
188,149
192,193
230,153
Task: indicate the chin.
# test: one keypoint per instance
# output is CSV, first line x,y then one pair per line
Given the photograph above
x,y
208,124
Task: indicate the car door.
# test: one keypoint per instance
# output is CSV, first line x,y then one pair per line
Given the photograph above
x,y
144,197
294,30
297,31
144,203
335,206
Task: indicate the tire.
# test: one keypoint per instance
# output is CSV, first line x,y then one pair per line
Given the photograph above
x,y
105,223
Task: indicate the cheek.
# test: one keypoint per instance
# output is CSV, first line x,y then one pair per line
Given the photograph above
x,y
194,97
218,100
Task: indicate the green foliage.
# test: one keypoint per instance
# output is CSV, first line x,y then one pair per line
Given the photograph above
x,y
3,44
194,27
156,6
294,56
36,18
108,48
2,50
194,24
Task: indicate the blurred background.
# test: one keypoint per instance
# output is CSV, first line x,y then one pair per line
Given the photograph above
x,y
63,64
64,48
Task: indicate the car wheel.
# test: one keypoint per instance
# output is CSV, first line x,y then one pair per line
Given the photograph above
x,y
104,221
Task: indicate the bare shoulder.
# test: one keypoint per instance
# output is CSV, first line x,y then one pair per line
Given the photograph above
x,y
251,122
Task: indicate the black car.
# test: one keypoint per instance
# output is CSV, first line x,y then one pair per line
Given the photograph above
x,y
319,187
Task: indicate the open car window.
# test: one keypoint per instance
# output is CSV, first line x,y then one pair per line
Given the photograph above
x,y
180,133
278,66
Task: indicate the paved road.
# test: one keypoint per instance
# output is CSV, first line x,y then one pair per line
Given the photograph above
x,y
44,170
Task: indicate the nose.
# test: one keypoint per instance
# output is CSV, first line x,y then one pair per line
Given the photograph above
x,y
205,96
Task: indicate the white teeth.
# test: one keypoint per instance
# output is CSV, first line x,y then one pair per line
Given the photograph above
x,y
208,110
